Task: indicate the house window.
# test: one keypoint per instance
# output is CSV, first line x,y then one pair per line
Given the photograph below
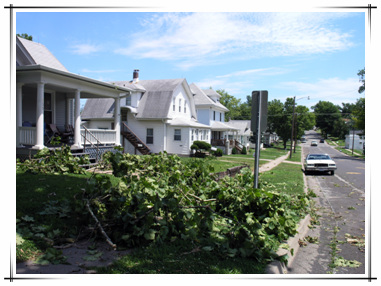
x,y
192,135
128,100
177,135
185,107
149,138
214,115
180,105
220,116
174,104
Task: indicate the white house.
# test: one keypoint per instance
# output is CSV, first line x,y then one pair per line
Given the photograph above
x,y
47,93
357,141
212,113
158,115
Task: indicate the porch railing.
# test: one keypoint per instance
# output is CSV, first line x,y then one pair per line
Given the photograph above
x,y
27,135
218,142
98,136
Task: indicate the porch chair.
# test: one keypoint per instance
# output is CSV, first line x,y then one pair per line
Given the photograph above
x,y
56,132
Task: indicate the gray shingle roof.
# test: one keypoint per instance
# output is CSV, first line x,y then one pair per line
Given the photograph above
x,y
244,126
98,108
154,104
201,97
37,54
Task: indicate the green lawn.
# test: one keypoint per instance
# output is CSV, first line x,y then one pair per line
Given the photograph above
x,y
58,196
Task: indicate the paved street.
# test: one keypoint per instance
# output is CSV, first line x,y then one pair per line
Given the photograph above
x,y
337,244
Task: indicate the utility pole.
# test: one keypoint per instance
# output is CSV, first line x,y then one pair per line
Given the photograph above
x,y
292,128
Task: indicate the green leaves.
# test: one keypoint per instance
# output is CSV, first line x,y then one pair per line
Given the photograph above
x,y
160,199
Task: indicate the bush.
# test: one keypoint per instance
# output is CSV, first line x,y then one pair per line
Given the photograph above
x,y
201,145
234,151
218,152
244,150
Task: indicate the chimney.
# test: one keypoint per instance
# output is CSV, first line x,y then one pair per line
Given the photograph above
x,y
135,78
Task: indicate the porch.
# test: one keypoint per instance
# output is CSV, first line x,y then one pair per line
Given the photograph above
x,y
47,96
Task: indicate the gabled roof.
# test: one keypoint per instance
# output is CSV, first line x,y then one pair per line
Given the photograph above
x,y
202,99
154,104
32,53
244,126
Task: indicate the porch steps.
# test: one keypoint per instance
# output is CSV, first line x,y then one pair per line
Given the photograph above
x,y
135,140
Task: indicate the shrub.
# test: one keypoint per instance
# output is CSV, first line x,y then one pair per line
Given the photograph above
x,y
218,152
234,151
201,145
244,150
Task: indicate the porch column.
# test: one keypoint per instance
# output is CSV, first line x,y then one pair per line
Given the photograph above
x,y
117,121
40,116
77,119
18,112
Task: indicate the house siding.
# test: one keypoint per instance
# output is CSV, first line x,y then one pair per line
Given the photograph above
x,y
139,127
181,147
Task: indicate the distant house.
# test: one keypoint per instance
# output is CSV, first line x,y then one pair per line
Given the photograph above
x,y
47,93
212,113
357,140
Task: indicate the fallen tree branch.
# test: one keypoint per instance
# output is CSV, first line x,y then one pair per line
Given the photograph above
x,y
100,226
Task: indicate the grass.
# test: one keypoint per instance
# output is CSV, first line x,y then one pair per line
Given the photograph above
x,y
286,177
179,258
36,192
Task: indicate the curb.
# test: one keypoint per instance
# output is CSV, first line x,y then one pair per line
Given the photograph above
x,y
277,267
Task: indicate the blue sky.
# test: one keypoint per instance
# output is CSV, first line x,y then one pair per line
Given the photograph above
x,y
289,54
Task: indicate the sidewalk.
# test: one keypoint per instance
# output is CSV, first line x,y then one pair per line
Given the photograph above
x,y
277,267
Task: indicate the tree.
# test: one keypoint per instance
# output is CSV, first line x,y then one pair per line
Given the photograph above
x,y
305,120
26,36
279,118
359,114
231,103
361,74
346,110
326,114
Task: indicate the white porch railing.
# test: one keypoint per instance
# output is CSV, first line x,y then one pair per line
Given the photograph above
x,y
27,135
104,136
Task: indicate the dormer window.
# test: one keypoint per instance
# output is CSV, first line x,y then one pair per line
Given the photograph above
x,y
185,107
174,104
180,105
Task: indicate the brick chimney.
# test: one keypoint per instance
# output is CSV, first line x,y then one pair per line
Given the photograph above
x,y
135,77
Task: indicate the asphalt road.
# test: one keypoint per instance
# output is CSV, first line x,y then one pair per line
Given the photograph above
x,y
337,243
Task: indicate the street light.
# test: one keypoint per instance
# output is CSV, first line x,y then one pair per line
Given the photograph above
x,y
293,122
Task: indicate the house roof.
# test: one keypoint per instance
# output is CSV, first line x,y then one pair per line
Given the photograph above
x,y
154,104
201,98
244,126
32,53
187,123
221,126
101,108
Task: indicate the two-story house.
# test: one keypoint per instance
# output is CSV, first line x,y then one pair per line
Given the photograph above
x,y
158,115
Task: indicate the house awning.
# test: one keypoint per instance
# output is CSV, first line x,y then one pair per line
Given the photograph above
x,y
187,123
219,126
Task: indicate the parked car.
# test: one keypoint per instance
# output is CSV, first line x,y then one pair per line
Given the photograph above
x,y
303,140
314,143
320,163
321,140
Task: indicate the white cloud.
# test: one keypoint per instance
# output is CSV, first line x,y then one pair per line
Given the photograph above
x,y
84,49
199,38
335,90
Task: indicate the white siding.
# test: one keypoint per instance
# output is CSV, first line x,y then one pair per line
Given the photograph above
x,y
178,147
